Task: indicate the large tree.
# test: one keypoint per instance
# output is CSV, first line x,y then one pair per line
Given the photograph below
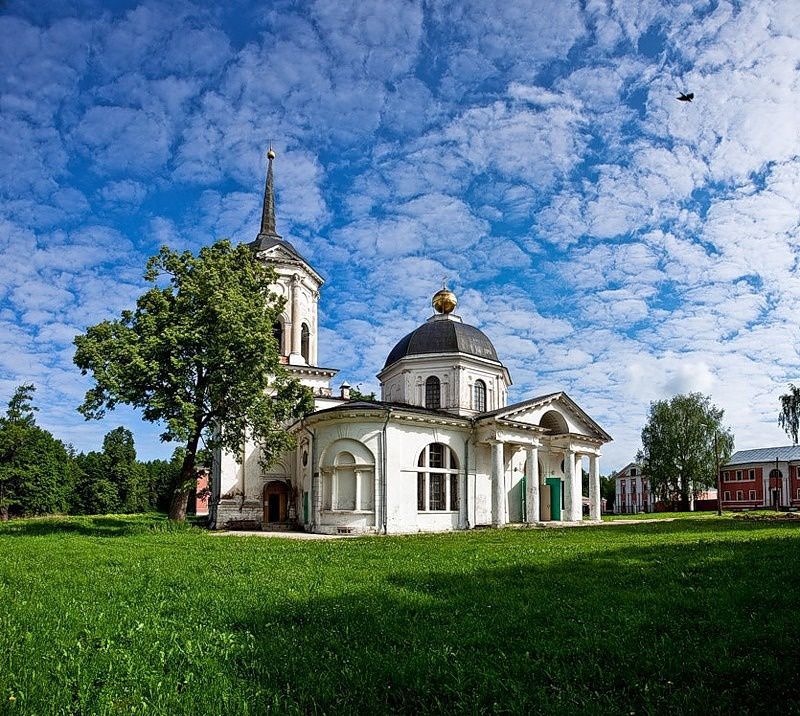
x,y
37,472
198,355
682,443
789,417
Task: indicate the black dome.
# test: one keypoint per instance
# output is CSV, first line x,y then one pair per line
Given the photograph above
x,y
443,336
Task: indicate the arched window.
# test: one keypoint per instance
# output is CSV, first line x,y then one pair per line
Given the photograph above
x,y
433,393
437,481
345,478
348,483
277,334
304,334
479,396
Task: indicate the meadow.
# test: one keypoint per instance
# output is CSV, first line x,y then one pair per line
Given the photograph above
x,y
111,615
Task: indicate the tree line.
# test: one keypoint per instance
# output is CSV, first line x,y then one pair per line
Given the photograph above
x,y
41,475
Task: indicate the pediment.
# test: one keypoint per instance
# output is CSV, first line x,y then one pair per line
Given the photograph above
x,y
557,413
282,256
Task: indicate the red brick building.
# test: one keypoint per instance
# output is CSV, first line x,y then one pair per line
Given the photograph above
x,y
763,477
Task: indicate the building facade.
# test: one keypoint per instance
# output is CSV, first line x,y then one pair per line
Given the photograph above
x,y
632,491
442,449
763,477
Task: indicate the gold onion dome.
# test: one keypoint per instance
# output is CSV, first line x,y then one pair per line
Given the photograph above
x,y
444,300
270,153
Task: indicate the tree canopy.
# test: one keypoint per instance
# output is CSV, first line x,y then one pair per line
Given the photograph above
x,y
682,442
198,355
37,473
789,416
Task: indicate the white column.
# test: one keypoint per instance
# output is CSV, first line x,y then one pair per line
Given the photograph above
x,y
498,484
316,497
532,485
569,469
577,490
296,322
358,489
314,328
594,488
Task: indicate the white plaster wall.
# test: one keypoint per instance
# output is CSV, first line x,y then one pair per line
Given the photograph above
x,y
405,443
404,382
481,499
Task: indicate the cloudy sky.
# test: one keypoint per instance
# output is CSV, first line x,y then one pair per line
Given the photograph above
x,y
612,241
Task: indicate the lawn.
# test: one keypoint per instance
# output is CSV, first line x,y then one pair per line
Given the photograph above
x,y
125,615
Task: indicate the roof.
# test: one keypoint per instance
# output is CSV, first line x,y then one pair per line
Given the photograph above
x,y
263,242
508,411
354,405
783,454
443,335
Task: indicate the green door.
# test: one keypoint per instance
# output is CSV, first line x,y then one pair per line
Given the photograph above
x,y
555,497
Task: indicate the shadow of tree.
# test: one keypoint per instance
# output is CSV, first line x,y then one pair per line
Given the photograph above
x,y
703,626
88,526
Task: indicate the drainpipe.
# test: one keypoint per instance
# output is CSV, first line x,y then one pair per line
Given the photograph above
x,y
466,474
384,468
312,493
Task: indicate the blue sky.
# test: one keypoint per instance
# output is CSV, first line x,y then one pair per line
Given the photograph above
x,y
612,241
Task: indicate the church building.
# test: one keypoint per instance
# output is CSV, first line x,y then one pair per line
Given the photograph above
x,y
441,450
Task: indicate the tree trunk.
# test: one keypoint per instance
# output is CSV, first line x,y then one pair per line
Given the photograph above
x,y
180,496
3,505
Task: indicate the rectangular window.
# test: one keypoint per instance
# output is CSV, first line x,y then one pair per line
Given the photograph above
x,y
752,494
752,474
738,495
438,491
436,455
420,491
454,493
727,496
738,474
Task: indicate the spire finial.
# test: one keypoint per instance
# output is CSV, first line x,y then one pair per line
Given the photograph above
x,y
268,211
444,300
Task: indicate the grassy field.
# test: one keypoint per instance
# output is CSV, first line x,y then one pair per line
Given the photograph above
x,y
125,615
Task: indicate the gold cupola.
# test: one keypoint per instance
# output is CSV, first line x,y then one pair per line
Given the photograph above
x,y
444,300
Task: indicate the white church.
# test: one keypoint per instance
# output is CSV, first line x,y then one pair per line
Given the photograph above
x,y
442,449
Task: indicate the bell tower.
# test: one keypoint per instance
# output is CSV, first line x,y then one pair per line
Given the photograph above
x,y
297,282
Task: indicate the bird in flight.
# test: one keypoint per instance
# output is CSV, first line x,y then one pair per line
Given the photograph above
x,y
685,97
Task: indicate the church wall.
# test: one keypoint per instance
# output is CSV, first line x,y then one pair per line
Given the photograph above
x,y
404,382
360,438
405,443
514,484
482,499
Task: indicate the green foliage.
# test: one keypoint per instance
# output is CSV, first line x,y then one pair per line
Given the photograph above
x,y
789,417
199,356
356,394
682,443
162,477
37,474
130,615
608,490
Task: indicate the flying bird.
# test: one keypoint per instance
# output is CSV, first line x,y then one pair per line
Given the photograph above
x,y
685,97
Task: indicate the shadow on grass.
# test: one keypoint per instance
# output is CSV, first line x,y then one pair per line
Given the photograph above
x,y
704,626
88,526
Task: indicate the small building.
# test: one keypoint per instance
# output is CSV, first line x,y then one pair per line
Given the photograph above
x,y
632,491
633,494
762,477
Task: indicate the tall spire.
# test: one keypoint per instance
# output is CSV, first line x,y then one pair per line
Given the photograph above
x,y
268,211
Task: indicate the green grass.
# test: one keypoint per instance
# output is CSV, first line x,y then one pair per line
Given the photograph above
x,y
665,516
129,615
